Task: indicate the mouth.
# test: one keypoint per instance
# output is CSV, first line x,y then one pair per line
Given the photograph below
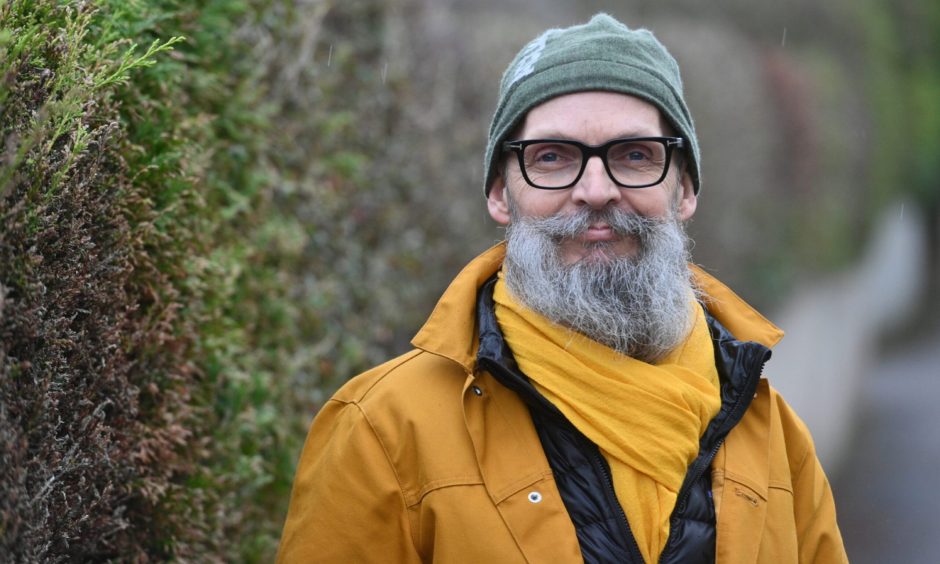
x,y
602,242
598,232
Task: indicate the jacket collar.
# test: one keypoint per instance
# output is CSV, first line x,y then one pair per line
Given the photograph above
x,y
742,320
451,329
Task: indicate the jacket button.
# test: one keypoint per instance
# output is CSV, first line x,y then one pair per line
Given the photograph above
x,y
477,390
535,497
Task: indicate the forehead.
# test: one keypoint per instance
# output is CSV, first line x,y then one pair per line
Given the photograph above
x,y
593,117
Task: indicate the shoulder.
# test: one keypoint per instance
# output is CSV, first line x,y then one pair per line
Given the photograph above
x,y
412,410
416,378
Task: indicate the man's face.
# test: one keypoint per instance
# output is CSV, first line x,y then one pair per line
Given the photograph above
x,y
592,118
606,261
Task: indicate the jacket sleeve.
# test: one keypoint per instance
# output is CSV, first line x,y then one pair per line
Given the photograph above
x,y
346,504
818,536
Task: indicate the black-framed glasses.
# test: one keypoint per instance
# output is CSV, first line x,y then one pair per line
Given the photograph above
x,y
555,164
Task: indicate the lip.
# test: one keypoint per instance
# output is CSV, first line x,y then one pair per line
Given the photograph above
x,y
600,232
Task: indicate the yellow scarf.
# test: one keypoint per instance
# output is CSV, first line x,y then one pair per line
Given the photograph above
x,y
646,419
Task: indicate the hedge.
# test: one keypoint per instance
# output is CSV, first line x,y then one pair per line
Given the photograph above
x,y
179,281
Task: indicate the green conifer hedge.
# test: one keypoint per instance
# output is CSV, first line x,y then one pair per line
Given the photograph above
x,y
180,287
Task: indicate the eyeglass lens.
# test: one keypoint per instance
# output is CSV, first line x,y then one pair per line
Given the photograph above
x,y
631,163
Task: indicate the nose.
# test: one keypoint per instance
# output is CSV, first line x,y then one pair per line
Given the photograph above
x,y
596,188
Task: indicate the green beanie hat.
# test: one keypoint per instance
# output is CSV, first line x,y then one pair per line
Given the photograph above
x,y
602,54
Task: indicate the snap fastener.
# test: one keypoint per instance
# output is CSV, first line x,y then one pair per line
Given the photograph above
x,y
535,497
477,390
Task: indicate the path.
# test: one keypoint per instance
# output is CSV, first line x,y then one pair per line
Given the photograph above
x,y
887,492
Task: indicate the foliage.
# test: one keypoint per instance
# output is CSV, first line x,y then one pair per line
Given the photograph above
x,y
181,284
95,416
212,213
119,256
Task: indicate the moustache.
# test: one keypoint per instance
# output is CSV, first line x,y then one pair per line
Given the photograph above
x,y
572,225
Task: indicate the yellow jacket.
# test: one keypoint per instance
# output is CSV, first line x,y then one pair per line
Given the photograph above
x,y
428,459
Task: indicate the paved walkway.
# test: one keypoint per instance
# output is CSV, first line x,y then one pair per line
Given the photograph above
x,y
834,325
888,493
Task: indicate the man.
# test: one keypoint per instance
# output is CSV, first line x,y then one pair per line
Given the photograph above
x,y
579,392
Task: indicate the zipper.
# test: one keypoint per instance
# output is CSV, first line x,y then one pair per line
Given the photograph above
x,y
704,463
599,464
684,498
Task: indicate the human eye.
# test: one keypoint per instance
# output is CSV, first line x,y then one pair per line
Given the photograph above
x,y
551,155
636,154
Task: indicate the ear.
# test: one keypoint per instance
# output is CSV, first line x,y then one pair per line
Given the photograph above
x,y
688,201
497,202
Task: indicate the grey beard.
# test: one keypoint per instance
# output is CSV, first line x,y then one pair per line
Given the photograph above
x,y
638,306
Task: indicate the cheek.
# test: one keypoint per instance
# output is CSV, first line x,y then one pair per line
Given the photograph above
x,y
655,203
540,203
527,201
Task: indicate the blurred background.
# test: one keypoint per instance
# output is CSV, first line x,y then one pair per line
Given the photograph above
x,y
202,241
